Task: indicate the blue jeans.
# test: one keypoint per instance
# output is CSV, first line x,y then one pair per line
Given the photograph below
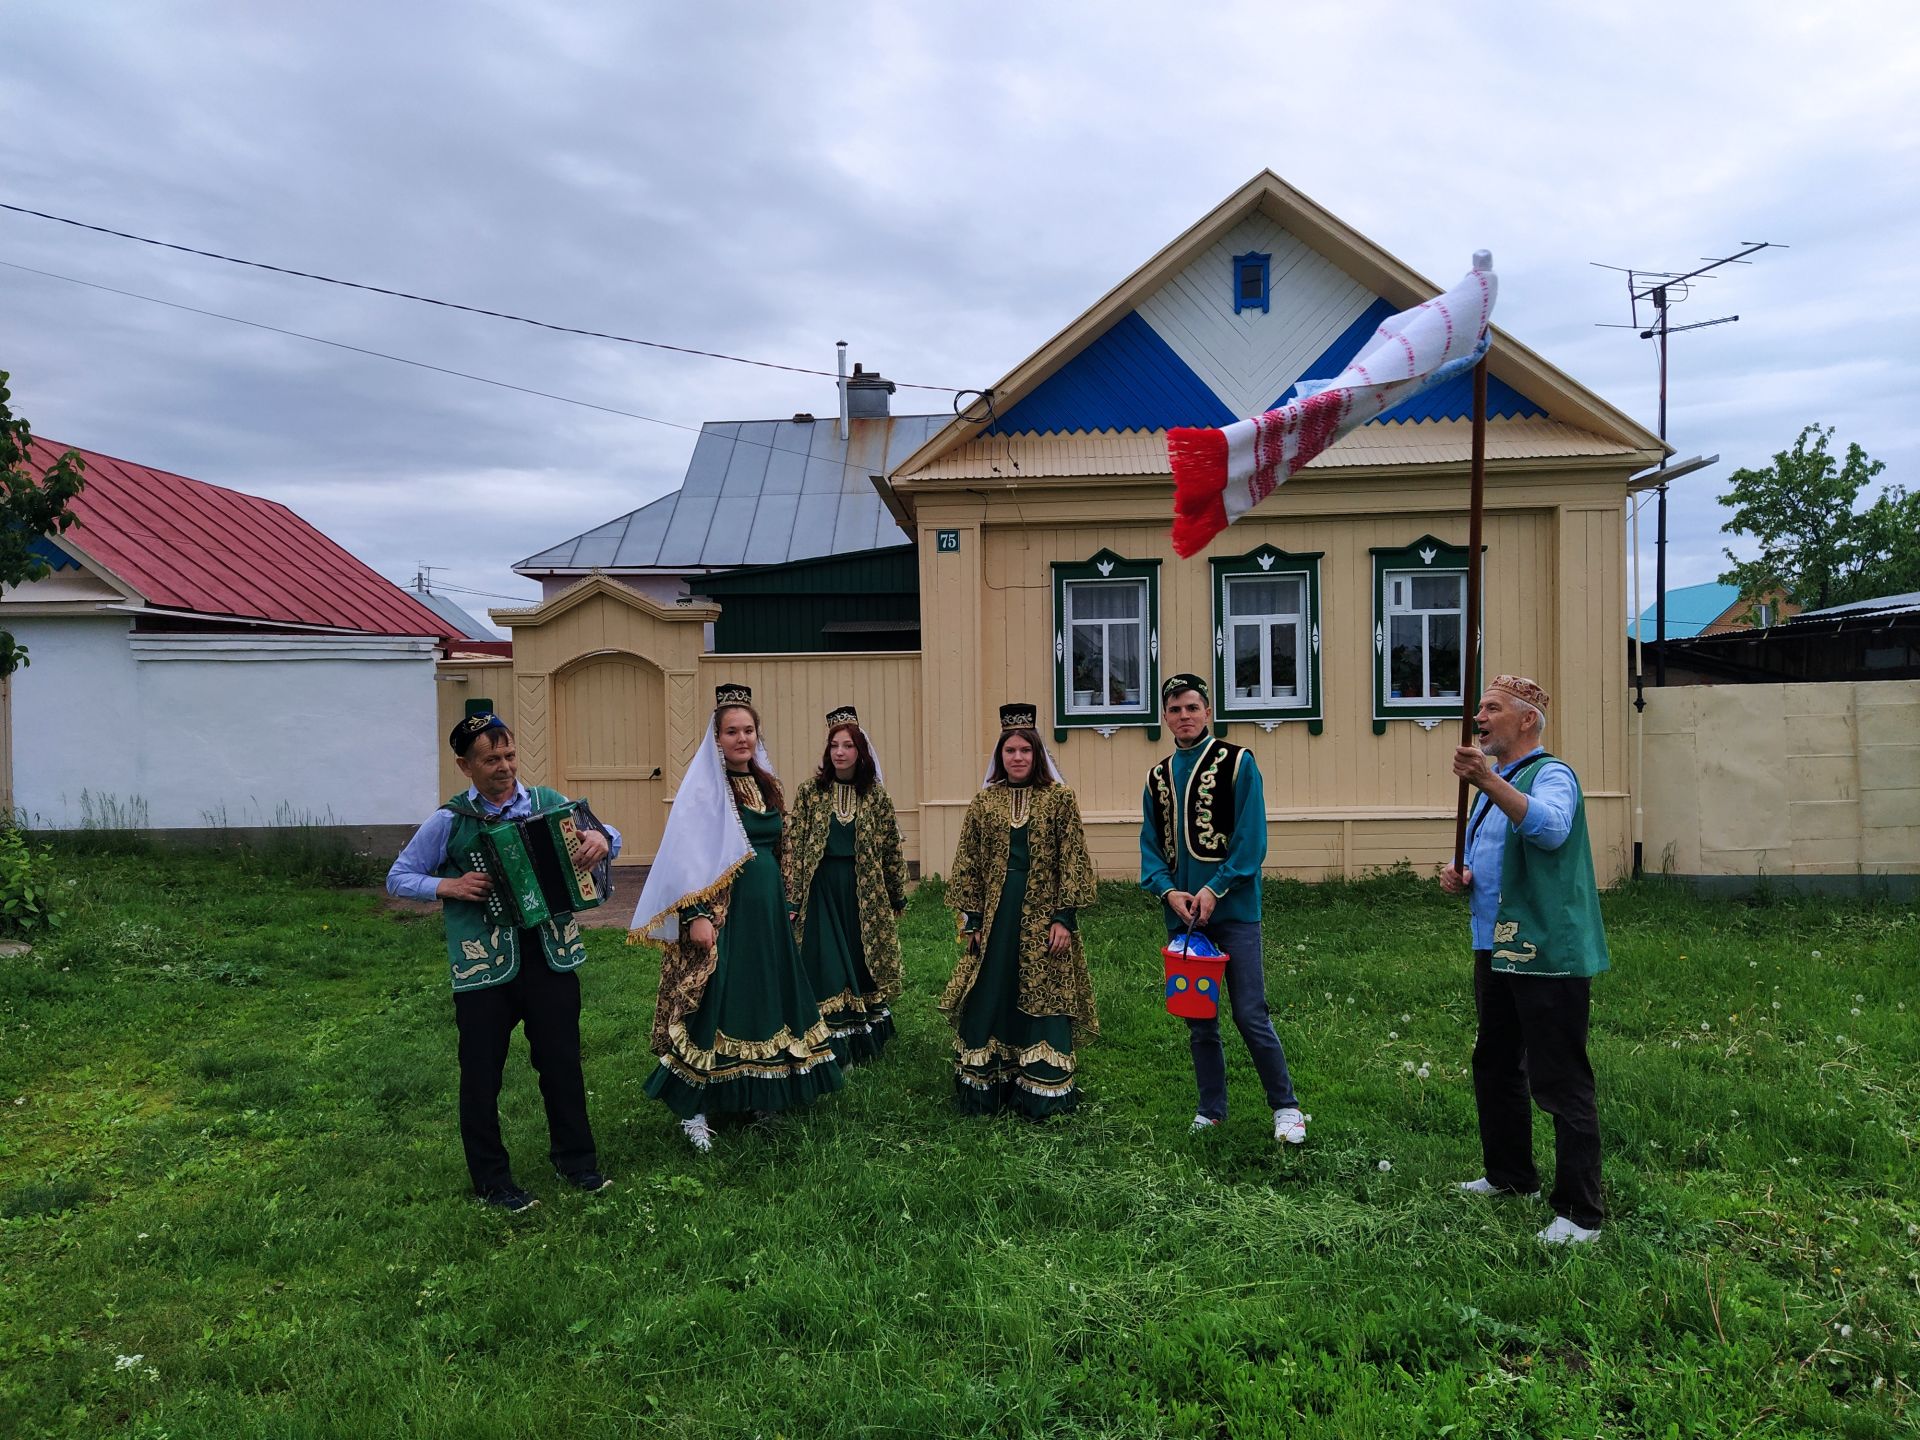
x,y
1247,993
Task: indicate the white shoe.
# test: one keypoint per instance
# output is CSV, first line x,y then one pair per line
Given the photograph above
x,y
699,1133
1290,1125
1484,1186
1201,1122
1564,1232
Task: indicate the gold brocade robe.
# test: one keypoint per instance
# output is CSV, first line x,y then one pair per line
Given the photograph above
x,y
1059,877
879,874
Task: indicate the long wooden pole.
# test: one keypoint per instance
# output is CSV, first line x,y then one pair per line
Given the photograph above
x,y
1470,642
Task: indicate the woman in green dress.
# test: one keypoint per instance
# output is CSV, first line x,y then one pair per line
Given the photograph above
x,y
1020,997
848,885
735,1026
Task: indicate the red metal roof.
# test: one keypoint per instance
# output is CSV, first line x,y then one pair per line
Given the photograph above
x,y
183,544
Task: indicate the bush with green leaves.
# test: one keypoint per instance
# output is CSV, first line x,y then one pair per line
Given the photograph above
x,y
27,884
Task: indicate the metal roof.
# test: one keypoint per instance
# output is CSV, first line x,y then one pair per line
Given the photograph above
x,y
1883,605
1690,609
1144,452
465,626
182,544
757,492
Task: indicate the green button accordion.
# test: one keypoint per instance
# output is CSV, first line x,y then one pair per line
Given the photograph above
x,y
532,865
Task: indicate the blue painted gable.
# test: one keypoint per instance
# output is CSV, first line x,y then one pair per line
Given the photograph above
x,y
50,554
1131,379
1451,401
1128,379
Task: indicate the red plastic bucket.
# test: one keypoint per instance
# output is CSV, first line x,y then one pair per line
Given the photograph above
x,y
1195,971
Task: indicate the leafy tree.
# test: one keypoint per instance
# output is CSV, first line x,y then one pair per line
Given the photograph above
x,y
29,509
1814,546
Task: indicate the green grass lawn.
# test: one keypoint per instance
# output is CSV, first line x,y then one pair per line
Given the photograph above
x,y
231,1197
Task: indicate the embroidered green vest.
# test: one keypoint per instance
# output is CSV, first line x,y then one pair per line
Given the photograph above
x,y
1204,816
480,952
1548,921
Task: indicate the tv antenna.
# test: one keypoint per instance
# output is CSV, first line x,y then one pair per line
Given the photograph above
x,y
1656,292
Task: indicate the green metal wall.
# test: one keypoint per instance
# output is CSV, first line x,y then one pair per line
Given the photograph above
x,y
787,609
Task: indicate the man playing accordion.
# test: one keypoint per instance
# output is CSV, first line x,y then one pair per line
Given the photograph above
x,y
504,975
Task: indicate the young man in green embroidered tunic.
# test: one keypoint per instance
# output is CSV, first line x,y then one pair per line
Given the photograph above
x,y
504,976
1537,944
1203,839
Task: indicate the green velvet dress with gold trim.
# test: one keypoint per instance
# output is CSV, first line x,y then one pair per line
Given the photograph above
x,y
847,881
754,1041
1016,1006
833,957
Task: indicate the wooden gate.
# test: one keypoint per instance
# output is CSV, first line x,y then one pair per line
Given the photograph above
x,y
610,725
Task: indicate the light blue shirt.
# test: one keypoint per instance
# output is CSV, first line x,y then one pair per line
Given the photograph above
x,y
415,874
1548,822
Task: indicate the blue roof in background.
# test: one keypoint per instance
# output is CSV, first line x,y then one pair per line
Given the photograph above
x,y
1690,609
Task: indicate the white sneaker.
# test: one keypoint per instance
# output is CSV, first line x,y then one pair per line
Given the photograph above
x,y
1290,1125
1564,1232
699,1133
1201,1122
1484,1186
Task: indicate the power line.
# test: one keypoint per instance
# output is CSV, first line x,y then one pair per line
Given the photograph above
x,y
846,463
443,304
406,360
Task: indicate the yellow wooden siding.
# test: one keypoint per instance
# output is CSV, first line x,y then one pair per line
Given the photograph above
x,y
610,721
1572,644
457,681
599,675
793,694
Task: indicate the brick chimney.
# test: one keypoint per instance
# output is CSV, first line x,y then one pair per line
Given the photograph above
x,y
867,394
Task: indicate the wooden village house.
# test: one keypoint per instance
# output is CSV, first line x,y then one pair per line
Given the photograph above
x,y
927,568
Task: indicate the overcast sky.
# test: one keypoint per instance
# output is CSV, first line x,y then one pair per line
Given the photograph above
x,y
942,187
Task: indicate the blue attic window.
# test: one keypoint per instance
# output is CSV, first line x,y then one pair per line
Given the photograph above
x,y
1250,273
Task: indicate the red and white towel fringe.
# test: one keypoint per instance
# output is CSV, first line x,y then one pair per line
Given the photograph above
x,y
1220,474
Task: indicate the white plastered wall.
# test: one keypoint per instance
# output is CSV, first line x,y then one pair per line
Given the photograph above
x,y
192,731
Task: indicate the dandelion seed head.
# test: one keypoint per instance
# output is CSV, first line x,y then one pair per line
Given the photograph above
x,y
1407,1065
1385,1166
1393,1034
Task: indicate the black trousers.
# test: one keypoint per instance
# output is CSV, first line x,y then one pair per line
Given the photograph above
x,y
1532,1045
547,1003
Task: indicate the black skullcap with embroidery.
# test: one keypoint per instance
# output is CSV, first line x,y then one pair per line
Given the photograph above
x,y
1174,684
731,695
1021,715
471,729
842,715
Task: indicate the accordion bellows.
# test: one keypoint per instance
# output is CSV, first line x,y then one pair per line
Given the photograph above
x,y
532,866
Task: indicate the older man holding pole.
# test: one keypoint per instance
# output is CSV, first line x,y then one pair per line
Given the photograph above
x,y
1537,944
